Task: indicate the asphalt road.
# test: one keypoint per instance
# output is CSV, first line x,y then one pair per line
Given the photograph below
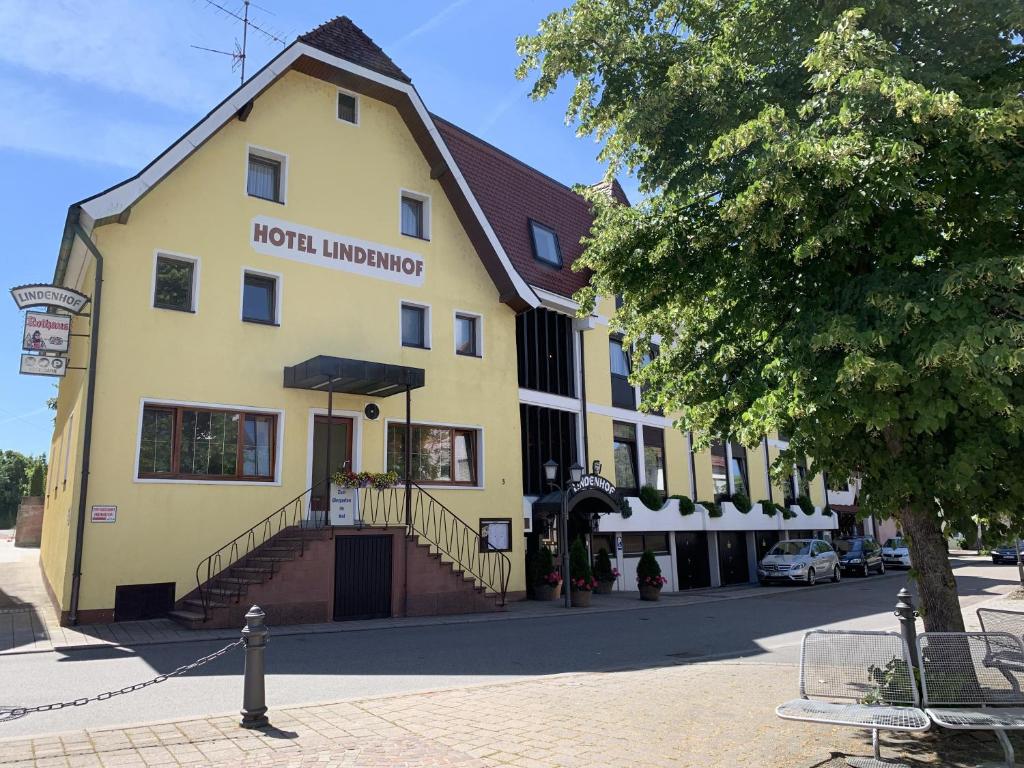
x,y
347,665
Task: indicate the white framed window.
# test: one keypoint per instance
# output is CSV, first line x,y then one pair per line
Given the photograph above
x,y
469,334
261,297
347,107
175,282
267,175
414,214
414,325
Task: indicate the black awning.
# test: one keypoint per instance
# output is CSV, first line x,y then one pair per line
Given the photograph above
x,y
353,377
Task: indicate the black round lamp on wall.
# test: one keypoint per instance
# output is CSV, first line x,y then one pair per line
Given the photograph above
x,y
371,411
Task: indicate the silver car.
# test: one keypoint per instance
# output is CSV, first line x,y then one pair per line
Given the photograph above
x,y
804,561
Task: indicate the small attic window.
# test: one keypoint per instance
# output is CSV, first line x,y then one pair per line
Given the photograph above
x,y
545,244
348,108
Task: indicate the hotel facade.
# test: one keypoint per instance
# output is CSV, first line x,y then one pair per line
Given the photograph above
x,y
320,277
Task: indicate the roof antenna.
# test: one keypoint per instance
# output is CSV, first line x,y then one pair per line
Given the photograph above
x,y
238,55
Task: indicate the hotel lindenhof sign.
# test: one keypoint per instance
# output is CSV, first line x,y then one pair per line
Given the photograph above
x,y
46,336
326,249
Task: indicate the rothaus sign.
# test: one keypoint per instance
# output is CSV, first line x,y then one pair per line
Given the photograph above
x,y
45,332
326,249
40,295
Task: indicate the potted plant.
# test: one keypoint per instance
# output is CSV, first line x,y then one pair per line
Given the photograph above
x,y
604,573
806,505
648,576
651,497
686,505
548,584
769,508
742,502
582,578
714,510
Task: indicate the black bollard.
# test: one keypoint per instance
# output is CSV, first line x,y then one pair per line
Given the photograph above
x,y
254,698
908,623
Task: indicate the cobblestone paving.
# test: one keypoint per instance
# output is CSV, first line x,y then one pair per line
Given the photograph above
x,y
706,715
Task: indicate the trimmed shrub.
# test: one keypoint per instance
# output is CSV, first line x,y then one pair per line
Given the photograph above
x,y
769,508
37,482
742,502
648,571
712,507
827,511
624,509
542,562
603,566
651,497
806,505
686,505
580,573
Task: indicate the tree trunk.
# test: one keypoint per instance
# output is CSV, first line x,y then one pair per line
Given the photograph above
x,y
940,605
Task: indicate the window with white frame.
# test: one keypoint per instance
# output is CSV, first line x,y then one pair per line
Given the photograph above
x,y
348,107
468,340
260,298
266,175
415,215
174,283
415,321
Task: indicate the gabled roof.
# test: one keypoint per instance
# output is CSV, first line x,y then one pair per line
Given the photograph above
x,y
317,55
512,194
342,38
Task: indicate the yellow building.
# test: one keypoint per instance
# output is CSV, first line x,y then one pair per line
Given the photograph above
x,y
321,276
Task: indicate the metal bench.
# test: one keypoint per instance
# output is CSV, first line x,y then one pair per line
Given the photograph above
x,y
971,681
859,680
1012,622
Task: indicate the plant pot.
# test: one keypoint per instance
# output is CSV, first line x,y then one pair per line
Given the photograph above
x,y
581,598
604,587
647,592
546,592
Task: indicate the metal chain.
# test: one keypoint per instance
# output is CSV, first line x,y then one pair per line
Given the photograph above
x,y
12,713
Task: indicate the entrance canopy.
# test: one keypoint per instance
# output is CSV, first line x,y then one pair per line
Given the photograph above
x,y
593,494
353,377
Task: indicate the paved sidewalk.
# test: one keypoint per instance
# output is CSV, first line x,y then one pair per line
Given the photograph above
x,y
701,715
30,625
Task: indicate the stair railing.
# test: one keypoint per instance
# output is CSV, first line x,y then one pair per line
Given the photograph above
x,y
296,512
442,529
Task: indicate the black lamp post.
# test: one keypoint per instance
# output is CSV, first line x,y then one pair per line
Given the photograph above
x,y
575,474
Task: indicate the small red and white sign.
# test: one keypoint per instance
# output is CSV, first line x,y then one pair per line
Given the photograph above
x,y
104,514
45,332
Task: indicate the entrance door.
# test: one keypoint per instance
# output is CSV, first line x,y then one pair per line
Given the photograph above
x,y
692,559
362,577
341,454
732,557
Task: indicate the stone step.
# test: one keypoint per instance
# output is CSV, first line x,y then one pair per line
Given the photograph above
x,y
188,619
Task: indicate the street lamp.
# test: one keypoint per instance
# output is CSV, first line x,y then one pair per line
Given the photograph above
x,y
575,475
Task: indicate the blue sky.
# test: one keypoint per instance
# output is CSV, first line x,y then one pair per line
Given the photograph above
x,y
92,91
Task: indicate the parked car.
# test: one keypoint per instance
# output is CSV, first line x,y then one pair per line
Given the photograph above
x,y
1006,553
895,553
803,561
860,555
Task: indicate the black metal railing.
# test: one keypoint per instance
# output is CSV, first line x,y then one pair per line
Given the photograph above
x,y
443,530
424,517
294,514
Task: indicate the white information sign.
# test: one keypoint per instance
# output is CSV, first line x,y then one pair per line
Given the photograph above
x,y
45,332
41,295
43,365
104,513
288,240
344,505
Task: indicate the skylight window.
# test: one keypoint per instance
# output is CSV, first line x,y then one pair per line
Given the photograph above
x,y
545,244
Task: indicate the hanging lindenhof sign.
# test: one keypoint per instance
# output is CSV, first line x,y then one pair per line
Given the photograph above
x,y
45,332
43,365
44,295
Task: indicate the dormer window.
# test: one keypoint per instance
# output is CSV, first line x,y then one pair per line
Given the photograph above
x,y
348,108
545,244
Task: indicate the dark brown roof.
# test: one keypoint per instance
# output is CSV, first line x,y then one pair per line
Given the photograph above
x,y
342,38
510,194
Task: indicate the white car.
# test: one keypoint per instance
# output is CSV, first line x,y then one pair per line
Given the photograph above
x,y
895,553
803,561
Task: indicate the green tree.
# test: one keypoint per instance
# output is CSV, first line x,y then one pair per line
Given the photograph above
x,y
37,480
832,240
14,469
